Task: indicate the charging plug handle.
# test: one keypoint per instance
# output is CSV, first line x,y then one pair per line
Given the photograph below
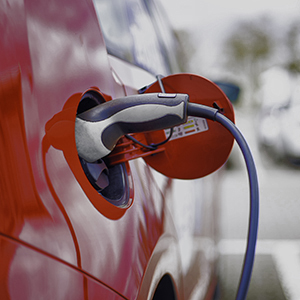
x,y
97,130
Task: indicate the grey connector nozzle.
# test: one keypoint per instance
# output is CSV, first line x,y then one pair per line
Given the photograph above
x,y
97,130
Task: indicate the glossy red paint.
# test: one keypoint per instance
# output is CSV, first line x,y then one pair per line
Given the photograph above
x,y
59,238
46,59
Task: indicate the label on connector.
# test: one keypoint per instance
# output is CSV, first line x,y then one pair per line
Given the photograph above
x,y
193,125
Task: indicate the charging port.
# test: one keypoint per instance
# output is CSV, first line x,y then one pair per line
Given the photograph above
x,y
110,181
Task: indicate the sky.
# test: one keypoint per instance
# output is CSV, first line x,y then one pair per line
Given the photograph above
x,y
209,21
195,13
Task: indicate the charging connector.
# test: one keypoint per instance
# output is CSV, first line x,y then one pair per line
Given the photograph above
x,y
98,129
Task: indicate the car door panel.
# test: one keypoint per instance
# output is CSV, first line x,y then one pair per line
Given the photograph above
x,y
50,214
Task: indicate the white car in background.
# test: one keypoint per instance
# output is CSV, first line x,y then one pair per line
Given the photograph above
x,y
279,119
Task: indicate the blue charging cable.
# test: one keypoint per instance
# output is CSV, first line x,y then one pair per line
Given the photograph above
x,y
198,110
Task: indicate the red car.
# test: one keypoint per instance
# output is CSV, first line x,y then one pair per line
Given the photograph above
x,y
121,227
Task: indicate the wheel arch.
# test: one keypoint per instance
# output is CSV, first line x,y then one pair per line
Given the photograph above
x,y
166,289
163,274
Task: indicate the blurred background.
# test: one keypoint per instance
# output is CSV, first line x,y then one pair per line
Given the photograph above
x,y
254,45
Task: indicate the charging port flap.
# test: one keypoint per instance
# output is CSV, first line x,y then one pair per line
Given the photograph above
x,y
199,146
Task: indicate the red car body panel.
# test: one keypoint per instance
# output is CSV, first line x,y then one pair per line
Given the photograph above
x,y
54,242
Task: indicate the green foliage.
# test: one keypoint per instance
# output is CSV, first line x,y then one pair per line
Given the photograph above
x,y
293,47
248,51
256,45
250,43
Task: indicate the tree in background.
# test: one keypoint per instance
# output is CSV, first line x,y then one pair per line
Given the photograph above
x,y
248,51
293,48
